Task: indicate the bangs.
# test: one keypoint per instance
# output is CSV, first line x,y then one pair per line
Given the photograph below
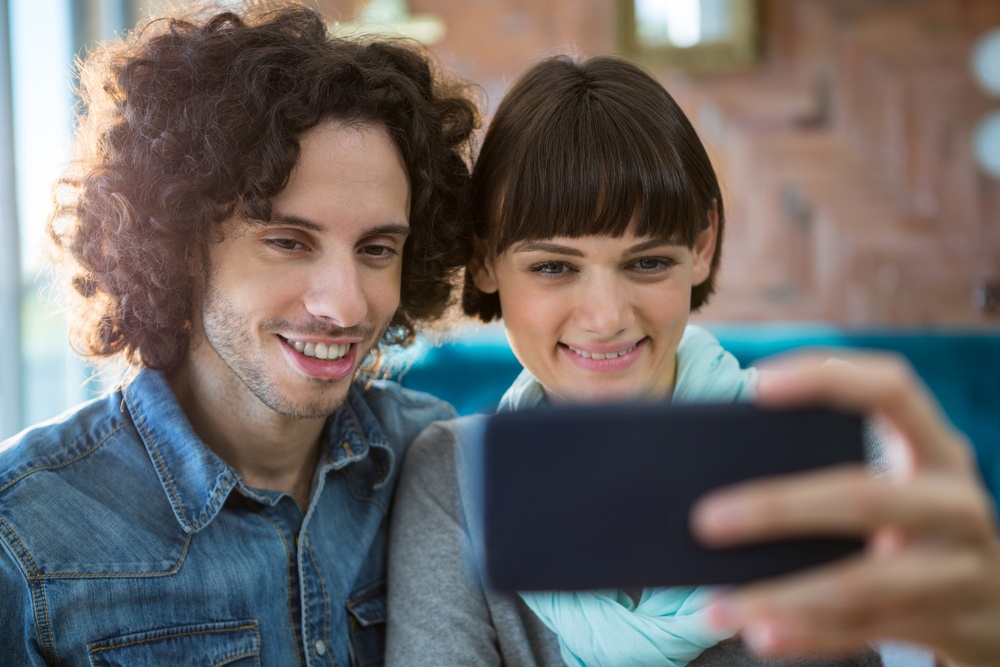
x,y
589,148
595,166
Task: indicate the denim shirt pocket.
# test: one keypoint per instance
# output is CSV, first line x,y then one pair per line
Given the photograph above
x,y
233,643
366,615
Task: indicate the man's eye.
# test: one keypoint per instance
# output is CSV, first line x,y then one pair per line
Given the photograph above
x,y
379,251
285,244
549,268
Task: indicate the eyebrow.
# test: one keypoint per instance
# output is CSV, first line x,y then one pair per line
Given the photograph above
x,y
294,221
649,245
548,246
556,248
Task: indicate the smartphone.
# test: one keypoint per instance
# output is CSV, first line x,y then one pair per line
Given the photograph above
x,y
598,496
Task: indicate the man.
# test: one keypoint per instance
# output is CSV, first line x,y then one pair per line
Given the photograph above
x,y
257,207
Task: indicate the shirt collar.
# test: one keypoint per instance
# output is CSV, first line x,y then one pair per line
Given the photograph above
x,y
353,433
197,482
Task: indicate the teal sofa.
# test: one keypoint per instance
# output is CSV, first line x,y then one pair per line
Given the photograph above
x,y
961,368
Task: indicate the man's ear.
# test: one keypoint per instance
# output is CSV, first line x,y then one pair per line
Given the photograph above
x,y
704,246
481,268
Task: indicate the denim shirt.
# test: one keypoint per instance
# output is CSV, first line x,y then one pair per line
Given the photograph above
x,y
126,541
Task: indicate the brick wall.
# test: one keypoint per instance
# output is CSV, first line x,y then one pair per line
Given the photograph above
x,y
850,186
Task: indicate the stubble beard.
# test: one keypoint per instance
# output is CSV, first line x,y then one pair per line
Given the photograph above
x,y
228,333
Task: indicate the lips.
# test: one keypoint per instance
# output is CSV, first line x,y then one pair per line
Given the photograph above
x,y
322,361
608,360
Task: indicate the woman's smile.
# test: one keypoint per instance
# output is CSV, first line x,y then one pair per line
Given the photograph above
x,y
604,358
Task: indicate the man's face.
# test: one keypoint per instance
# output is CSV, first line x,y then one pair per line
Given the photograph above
x,y
292,306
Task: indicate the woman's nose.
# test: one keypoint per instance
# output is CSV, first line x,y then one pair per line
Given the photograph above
x,y
603,308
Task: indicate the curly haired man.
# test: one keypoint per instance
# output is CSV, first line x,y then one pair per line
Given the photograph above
x,y
256,208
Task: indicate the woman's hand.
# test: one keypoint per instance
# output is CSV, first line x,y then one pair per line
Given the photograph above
x,y
931,572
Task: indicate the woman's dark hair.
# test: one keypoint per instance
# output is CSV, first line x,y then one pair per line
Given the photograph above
x,y
189,121
589,148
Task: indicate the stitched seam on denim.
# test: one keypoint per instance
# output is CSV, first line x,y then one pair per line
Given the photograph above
x,y
211,508
141,422
64,463
357,424
288,557
365,442
322,586
238,656
41,622
383,475
352,623
22,548
374,591
98,649
124,575
44,626
347,483
304,596
256,634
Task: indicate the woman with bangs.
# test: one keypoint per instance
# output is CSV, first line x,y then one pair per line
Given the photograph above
x,y
597,222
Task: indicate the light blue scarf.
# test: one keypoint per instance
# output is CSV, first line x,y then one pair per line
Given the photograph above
x,y
666,627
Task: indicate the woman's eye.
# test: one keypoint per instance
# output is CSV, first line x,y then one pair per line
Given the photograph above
x,y
549,268
650,264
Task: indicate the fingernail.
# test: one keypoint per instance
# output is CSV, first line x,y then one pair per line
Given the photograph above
x,y
770,377
761,637
716,517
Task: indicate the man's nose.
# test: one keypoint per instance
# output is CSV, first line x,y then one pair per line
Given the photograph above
x,y
336,293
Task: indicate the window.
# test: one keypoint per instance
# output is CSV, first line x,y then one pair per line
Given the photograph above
x,y
39,375
701,36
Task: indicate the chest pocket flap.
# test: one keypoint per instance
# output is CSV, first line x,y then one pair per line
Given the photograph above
x,y
235,643
367,618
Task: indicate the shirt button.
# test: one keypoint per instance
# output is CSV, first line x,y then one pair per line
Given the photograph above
x,y
320,647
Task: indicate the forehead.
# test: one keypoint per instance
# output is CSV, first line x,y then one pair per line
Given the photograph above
x,y
347,171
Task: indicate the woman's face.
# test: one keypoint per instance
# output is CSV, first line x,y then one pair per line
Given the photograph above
x,y
598,317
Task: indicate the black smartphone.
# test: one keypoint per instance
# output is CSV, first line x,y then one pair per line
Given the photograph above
x,y
598,496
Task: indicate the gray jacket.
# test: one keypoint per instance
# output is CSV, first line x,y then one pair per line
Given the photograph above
x,y
440,614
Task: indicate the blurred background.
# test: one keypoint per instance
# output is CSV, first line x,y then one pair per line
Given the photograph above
x,y
858,143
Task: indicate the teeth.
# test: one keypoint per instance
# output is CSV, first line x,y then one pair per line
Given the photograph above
x,y
601,355
320,350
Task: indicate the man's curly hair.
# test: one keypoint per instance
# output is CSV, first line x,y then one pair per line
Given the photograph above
x,y
189,121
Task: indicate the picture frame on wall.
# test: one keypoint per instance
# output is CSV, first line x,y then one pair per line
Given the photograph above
x,y
697,36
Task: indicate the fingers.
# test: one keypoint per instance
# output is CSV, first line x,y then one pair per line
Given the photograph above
x,y
845,501
869,383
931,574
840,607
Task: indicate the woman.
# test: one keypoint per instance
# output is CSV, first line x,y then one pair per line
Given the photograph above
x,y
598,221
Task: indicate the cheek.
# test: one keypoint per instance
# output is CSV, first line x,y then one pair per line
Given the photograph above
x,y
533,317
382,289
666,309
265,291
